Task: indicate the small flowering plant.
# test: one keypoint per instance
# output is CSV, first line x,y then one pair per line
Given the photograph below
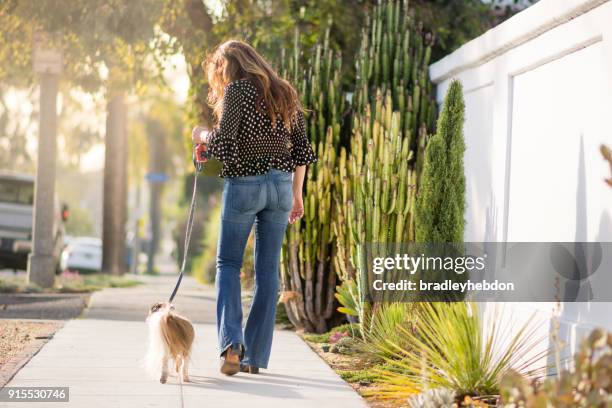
x,y
70,278
336,336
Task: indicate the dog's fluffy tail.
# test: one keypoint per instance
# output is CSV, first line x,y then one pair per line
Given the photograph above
x,y
178,335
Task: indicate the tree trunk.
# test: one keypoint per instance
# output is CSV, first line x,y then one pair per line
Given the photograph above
x,y
41,263
115,187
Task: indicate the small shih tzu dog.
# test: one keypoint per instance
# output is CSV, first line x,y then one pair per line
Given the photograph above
x,y
170,338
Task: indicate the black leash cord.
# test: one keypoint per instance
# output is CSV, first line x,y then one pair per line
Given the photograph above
x,y
188,229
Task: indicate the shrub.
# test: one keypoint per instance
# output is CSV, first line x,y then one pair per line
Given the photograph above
x,y
347,345
450,349
589,384
362,376
440,205
384,334
351,328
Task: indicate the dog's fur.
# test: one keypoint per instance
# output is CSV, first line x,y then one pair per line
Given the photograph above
x,y
170,338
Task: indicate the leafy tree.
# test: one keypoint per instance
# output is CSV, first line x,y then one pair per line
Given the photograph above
x,y
440,204
457,22
76,132
268,26
109,44
94,36
14,128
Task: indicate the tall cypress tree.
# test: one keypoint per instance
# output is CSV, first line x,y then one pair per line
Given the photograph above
x,y
440,204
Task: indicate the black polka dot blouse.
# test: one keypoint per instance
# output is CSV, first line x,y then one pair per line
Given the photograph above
x,y
246,142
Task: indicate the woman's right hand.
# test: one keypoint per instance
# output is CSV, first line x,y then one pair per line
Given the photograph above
x,y
198,134
297,211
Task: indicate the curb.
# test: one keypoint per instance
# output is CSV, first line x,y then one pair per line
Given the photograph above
x,y
16,363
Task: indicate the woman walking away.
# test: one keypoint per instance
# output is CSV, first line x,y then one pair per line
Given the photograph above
x,y
261,140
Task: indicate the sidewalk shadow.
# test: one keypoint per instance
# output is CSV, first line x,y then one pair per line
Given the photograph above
x,y
266,385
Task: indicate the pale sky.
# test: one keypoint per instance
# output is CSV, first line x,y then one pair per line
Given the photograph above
x,y
177,79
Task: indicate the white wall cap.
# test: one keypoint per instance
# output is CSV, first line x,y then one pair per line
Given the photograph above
x,y
524,26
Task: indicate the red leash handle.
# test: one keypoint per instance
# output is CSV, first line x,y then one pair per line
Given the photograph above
x,y
200,156
201,153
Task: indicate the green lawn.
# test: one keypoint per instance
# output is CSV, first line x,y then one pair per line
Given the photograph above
x,y
69,283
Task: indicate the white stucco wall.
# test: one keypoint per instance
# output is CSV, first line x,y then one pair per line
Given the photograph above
x,y
538,94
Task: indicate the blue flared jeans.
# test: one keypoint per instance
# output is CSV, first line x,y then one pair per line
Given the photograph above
x,y
264,201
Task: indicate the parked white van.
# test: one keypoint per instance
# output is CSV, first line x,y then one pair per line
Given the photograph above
x,y
16,217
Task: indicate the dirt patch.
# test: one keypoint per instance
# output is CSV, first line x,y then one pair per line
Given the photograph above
x,y
342,363
19,341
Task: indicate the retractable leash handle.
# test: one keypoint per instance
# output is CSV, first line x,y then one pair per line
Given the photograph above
x,y
199,157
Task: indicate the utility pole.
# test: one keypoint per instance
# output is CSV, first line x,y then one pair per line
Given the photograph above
x,y
48,65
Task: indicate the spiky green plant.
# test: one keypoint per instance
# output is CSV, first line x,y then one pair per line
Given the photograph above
x,y
384,334
348,297
451,347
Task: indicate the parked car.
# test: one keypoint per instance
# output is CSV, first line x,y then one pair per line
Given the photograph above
x,y
82,254
16,215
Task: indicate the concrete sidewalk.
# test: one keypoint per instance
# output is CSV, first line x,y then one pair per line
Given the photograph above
x,y
100,358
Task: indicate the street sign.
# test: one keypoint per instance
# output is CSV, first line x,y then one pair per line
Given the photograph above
x,y
46,59
156,177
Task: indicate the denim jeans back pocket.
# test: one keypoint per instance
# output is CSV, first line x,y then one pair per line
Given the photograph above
x,y
245,196
285,195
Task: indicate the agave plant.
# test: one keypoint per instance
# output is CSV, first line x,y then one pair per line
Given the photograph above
x,y
436,398
451,347
348,297
383,335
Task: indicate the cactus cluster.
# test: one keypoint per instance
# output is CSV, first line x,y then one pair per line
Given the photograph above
x,y
392,115
394,57
307,274
376,202
362,190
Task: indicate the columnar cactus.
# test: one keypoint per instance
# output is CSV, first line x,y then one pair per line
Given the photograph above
x,y
307,271
394,56
363,192
392,114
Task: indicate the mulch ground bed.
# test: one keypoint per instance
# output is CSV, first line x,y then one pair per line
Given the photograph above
x,y
20,340
342,362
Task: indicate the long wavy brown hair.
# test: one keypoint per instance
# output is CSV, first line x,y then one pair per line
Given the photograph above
x,y
233,60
